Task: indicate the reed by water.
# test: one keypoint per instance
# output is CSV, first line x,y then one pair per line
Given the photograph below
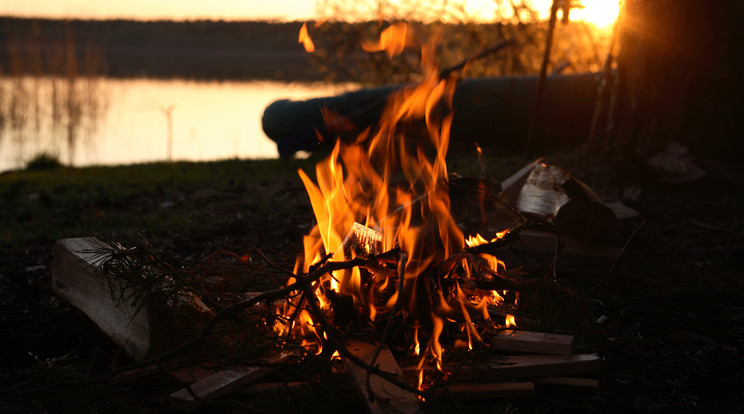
x,y
49,89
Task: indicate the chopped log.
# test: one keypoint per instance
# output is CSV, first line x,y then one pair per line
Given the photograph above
x,y
387,398
569,382
223,382
533,342
77,279
512,186
492,390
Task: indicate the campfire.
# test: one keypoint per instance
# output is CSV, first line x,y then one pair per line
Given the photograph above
x,y
383,214
407,265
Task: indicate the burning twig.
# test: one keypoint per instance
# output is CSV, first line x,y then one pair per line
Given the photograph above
x,y
396,309
334,338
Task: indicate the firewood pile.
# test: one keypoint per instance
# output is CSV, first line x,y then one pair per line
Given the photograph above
x,y
465,325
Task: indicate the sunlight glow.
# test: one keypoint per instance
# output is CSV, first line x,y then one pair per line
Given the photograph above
x,y
601,13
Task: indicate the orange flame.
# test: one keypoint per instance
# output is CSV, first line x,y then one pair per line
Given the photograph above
x,y
434,346
416,345
510,321
393,180
305,39
393,40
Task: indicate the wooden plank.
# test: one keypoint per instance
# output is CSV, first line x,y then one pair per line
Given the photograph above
x,y
76,279
570,382
255,389
387,397
492,390
523,366
222,383
533,342
530,366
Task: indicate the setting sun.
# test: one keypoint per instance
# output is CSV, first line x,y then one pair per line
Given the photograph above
x,y
601,13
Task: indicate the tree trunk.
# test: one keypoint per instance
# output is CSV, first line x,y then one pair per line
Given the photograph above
x,y
676,80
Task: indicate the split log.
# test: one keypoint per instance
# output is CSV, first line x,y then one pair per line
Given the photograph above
x,y
386,397
533,342
223,382
492,390
77,279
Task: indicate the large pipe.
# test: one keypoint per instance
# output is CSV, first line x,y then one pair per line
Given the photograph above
x,y
495,112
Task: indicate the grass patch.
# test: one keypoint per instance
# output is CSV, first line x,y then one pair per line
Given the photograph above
x,y
44,161
73,202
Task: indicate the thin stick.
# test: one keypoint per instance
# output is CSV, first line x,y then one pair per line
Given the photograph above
x,y
617,258
444,73
537,105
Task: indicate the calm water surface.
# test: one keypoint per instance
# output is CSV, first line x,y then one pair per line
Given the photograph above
x,y
122,121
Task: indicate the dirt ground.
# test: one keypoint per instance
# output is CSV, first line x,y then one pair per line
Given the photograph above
x,y
672,339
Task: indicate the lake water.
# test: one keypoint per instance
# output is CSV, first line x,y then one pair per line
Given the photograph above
x,y
121,121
